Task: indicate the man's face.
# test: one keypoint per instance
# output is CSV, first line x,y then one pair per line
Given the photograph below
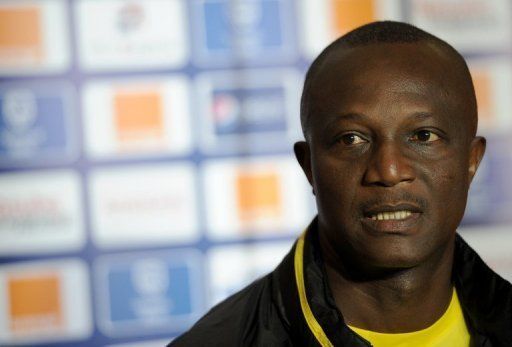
x,y
390,154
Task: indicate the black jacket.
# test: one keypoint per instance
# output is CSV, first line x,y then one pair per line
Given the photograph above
x,y
268,312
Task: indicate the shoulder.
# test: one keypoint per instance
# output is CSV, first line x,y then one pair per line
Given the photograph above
x,y
248,317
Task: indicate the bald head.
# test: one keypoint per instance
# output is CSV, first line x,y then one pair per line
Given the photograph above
x,y
345,56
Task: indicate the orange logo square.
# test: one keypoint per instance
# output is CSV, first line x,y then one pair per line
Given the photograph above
x,y
138,116
20,34
258,196
349,14
35,303
482,83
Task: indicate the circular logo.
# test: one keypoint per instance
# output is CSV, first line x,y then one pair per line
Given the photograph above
x,y
245,16
225,109
19,110
130,17
150,277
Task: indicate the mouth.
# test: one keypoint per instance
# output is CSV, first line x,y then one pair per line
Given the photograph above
x,y
398,215
394,219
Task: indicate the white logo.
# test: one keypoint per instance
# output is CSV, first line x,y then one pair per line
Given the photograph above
x,y
21,135
130,17
150,277
245,16
19,110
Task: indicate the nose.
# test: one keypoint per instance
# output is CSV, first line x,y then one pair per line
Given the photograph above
x,y
387,166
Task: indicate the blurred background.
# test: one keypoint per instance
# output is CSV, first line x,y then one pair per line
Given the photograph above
x,y
146,167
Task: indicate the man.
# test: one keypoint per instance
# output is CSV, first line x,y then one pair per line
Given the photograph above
x,y
389,117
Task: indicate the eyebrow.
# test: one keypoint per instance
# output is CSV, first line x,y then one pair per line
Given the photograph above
x,y
354,116
344,116
359,116
350,116
421,115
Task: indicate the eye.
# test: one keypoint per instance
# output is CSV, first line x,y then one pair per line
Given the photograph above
x,y
425,136
352,139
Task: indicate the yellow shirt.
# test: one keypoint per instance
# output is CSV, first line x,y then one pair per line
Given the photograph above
x,y
449,330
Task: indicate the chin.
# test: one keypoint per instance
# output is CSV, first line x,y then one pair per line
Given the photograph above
x,y
393,255
395,262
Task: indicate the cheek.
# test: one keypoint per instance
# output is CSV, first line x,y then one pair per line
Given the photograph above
x,y
448,188
335,185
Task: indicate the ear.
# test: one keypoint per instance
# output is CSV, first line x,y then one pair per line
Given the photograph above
x,y
303,155
476,154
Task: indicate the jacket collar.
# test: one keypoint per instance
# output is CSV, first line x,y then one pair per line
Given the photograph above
x,y
486,298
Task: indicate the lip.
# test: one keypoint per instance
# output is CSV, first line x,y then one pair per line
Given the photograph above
x,y
400,227
392,208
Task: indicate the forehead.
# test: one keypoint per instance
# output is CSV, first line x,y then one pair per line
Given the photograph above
x,y
419,74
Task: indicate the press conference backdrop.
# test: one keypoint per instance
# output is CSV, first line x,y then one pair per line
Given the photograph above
x,y
146,167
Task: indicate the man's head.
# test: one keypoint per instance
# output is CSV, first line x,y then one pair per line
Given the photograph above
x,y
389,116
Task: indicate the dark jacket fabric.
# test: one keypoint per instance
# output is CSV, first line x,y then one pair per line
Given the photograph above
x,y
268,311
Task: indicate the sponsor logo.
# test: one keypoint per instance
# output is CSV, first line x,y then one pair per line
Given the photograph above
x,y
137,117
20,34
148,292
247,30
32,37
226,110
40,212
349,14
258,111
470,26
35,303
35,125
19,112
325,20
45,301
144,205
268,195
117,34
130,17
32,212
258,195
249,110
455,14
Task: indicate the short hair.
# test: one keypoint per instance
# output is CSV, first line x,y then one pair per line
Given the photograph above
x,y
374,33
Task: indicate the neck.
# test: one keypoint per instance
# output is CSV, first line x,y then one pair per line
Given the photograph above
x,y
391,300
